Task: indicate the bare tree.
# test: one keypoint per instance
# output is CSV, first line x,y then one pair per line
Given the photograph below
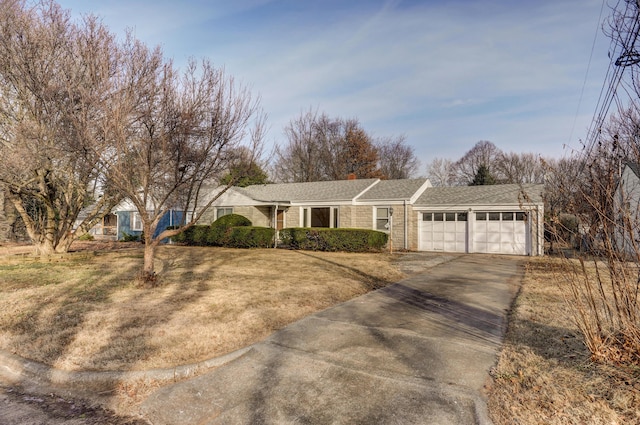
x,y
483,153
299,159
178,136
440,171
397,160
322,148
603,290
55,77
519,168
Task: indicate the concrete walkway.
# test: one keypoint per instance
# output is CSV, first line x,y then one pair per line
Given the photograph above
x,y
416,352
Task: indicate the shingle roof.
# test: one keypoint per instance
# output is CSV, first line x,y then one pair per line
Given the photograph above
x,y
393,190
481,195
340,190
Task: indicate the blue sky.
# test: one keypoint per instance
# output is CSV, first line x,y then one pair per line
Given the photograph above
x,y
445,74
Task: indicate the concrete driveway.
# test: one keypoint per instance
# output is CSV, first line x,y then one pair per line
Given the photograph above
x,y
416,352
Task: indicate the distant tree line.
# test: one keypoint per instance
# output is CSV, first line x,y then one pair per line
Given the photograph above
x,y
318,148
485,164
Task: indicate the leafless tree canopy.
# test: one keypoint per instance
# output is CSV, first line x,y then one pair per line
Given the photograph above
x,y
483,153
440,172
56,77
322,148
174,136
86,121
502,167
397,160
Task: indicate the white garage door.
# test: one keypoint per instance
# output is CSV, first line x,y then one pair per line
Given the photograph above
x,y
501,233
443,231
504,232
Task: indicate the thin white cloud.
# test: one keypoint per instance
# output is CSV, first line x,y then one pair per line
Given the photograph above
x,y
439,72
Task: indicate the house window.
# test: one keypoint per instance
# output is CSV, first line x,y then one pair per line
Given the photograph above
x,y
444,216
319,217
382,219
223,211
188,217
494,216
481,216
136,221
507,216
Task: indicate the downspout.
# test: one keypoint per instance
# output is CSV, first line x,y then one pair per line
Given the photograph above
x,y
406,226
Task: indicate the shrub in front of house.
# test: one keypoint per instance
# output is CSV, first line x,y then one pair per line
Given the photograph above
x,y
194,235
126,237
325,239
219,229
249,237
198,235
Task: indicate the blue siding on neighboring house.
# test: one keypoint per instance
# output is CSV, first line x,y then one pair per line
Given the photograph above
x,y
171,218
124,224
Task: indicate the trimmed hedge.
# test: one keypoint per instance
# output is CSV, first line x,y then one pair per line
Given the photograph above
x,y
326,239
249,237
217,233
231,230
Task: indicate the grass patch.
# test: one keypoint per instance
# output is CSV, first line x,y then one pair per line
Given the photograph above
x,y
85,312
545,374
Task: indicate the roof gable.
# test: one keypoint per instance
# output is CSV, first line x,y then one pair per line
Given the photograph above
x,y
395,190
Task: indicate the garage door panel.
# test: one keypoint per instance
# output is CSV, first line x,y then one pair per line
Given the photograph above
x,y
442,232
501,233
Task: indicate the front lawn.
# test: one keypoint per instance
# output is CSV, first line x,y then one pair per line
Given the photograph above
x,y
84,311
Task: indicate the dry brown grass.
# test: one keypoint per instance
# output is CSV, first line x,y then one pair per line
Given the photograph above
x,y
83,311
545,374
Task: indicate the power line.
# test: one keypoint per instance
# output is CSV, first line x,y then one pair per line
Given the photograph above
x,y
615,72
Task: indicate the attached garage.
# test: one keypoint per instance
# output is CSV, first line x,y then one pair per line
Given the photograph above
x,y
499,219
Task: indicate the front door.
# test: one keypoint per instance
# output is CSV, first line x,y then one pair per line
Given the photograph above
x,y
280,220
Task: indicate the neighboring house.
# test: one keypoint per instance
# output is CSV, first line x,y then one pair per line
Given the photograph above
x,y
506,219
124,220
106,229
128,222
627,204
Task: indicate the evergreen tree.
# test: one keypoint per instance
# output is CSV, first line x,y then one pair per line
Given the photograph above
x,y
483,177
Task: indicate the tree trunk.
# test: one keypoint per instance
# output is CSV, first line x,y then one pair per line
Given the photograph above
x,y
44,247
148,273
65,243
